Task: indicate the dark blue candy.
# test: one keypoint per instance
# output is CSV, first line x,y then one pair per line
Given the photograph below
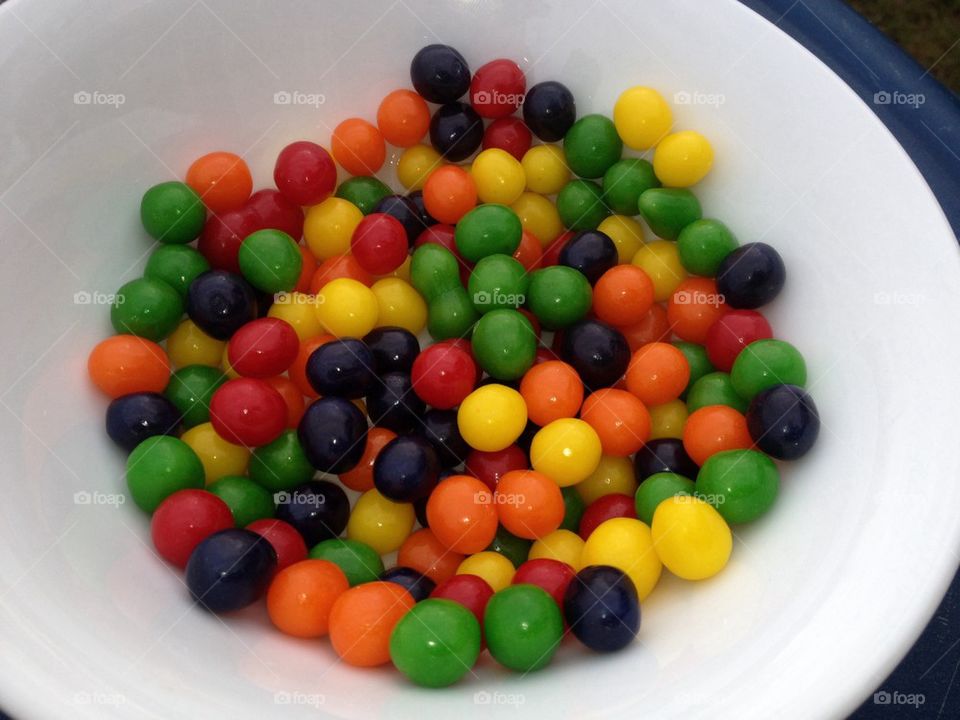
x,y
417,584
423,216
404,210
220,302
440,428
783,421
549,110
456,131
394,349
342,368
597,351
333,434
440,74
133,418
663,455
602,609
591,252
230,570
317,509
751,276
406,469
392,404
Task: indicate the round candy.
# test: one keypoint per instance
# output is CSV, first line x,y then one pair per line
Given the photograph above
x,y
133,418
657,373
434,270
539,217
176,265
625,181
230,570
682,159
248,501
523,627
394,349
269,208
713,429
347,308
498,175
659,260
492,417
546,171
364,192
513,548
567,451
392,404
172,212
406,470
317,509
626,544
504,344
496,569
529,504
380,522
329,225
160,466
286,541
409,211
622,295
403,118
450,193
379,243
551,390
667,420
614,475
669,210
489,467
358,561
220,303
185,518
714,389
297,309
602,608
488,230
436,643
751,276
305,173
549,110
591,252
297,372
263,348
580,204
443,375
559,296
332,433
703,245
731,333
470,591
462,515
657,488
302,595
146,307
741,484
691,538
362,620
292,398
423,552
222,234
360,478
694,307
783,421
451,315
765,363
221,179
440,430
497,88
510,134
561,545
342,368
189,345
418,585
592,146
218,456
614,505
456,131
248,411
551,575
439,73
621,420
642,117
599,353
358,146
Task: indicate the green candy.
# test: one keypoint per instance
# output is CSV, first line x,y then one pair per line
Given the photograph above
x,y
270,260
247,500
488,229
592,146
498,281
160,466
451,315
148,308
697,359
715,389
176,265
364,192
669,210
625,181
281,465
359,562
559,296
702,246
573,509
434,270
436,643
657,488
190,389
523,627
765,363
741,484
580,205
172,212
504,344
513,548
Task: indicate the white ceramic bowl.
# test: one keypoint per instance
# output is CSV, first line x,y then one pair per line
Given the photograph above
x,y
822,596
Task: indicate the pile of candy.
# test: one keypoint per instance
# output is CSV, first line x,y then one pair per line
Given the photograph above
x,y
555,447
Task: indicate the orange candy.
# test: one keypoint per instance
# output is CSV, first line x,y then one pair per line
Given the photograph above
x,y
125,364
298,369
713,429
360,478
302,595
336,267
658,372
530,252
461,514
423,552
403,118
221,179
694,306
623,295
653,327
362,620
620,419
358,147
551,390
309,267
449,194
529,504
292,396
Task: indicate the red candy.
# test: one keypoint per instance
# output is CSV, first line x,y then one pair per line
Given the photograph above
x,y
443,375
551,575
292,396
471,591
286,541
183,520
551,255
270,209
489,467
508,134
497,88
733,332
379,243
248,411
305,173
263,348
529,252
605,508
222,234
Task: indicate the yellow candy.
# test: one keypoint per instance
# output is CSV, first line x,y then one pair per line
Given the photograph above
x,y
626,233
642,117
299,310
399,305
626,544
690,537
491,566
415,165
380,522
219,457
661,261
667,420
328,227
347,308
499,176
562,545
402,272
492,417
613,475
225,365
545,167
189,345
539,216
566,450
682,159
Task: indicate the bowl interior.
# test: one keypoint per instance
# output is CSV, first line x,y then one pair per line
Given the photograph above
x,y
821,596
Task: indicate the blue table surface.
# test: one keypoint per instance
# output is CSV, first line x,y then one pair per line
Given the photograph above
x,y
924,684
